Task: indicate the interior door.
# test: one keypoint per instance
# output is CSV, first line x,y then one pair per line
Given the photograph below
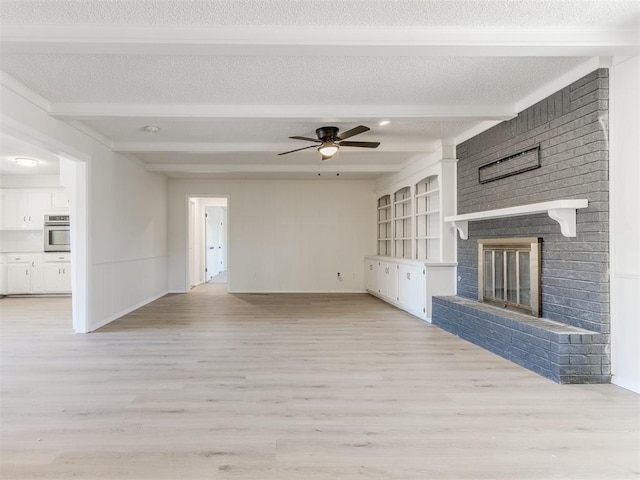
x,y
213,246
193,269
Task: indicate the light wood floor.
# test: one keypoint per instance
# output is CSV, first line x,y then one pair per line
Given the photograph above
x,y
215,386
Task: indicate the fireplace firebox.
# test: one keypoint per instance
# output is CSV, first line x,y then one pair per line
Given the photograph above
x,y
509,272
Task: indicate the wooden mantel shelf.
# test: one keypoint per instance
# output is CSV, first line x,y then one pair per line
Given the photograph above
x,y
562,211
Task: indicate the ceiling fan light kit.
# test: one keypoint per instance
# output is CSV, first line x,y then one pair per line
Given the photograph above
x,y
328,150
330,140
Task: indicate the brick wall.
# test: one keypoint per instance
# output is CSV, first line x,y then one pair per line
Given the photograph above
x,y
560,352
571,127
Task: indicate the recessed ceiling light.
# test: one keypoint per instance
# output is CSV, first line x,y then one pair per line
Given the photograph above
x,y
384,122
27,162
151,129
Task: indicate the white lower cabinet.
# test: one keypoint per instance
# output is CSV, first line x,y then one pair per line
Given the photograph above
x,y
3,274
18,278
371,274
37,273
388,280
411,289
57,273
409,284
24,273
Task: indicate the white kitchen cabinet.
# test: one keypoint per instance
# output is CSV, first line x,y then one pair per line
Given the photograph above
x,y
2,200
37,274
60,200
14,209
24,273
409,284
3,274
18,278
24,209
57,273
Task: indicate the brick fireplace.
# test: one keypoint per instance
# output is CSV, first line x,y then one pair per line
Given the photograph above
x,y
569,342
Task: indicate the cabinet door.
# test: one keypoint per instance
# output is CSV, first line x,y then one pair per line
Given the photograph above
x,y
18,278
1,208
383,269
38,203
388,280
392,281
411,288
3,278
65,278
15,209
60,200
371,275
37,283
51,277
56,277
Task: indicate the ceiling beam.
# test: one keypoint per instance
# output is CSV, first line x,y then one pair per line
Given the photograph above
x,y
221,147
436,112
327,166
315,41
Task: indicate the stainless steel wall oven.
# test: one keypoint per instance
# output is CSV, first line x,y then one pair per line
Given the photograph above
x,y
57,233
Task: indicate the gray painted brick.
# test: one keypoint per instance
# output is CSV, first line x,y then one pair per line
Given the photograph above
x,y
562,357
571,127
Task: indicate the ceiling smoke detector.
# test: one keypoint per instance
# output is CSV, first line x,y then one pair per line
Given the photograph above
x,y
151,129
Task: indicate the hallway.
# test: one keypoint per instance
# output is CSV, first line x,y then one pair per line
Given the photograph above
x,y
344,386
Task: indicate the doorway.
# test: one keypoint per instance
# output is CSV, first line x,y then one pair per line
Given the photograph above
x,y
208,241
73,176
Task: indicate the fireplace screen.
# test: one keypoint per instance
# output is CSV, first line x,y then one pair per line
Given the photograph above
x,y
509,273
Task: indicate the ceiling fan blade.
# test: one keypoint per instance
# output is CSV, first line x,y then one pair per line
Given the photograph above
x,y
305,138
298,149
360,144
354,131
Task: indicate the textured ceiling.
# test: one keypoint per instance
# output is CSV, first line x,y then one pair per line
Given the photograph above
x,y
477,13
160,79
229,81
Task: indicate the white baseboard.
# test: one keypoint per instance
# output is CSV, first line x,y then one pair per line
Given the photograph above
x,y
127,310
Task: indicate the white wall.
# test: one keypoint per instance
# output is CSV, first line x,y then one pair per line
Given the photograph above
x,y
125,219
625,222
284,235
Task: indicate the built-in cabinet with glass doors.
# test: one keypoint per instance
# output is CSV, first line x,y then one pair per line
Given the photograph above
x,y
409,268
384,226
403,219
400,229
428,219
